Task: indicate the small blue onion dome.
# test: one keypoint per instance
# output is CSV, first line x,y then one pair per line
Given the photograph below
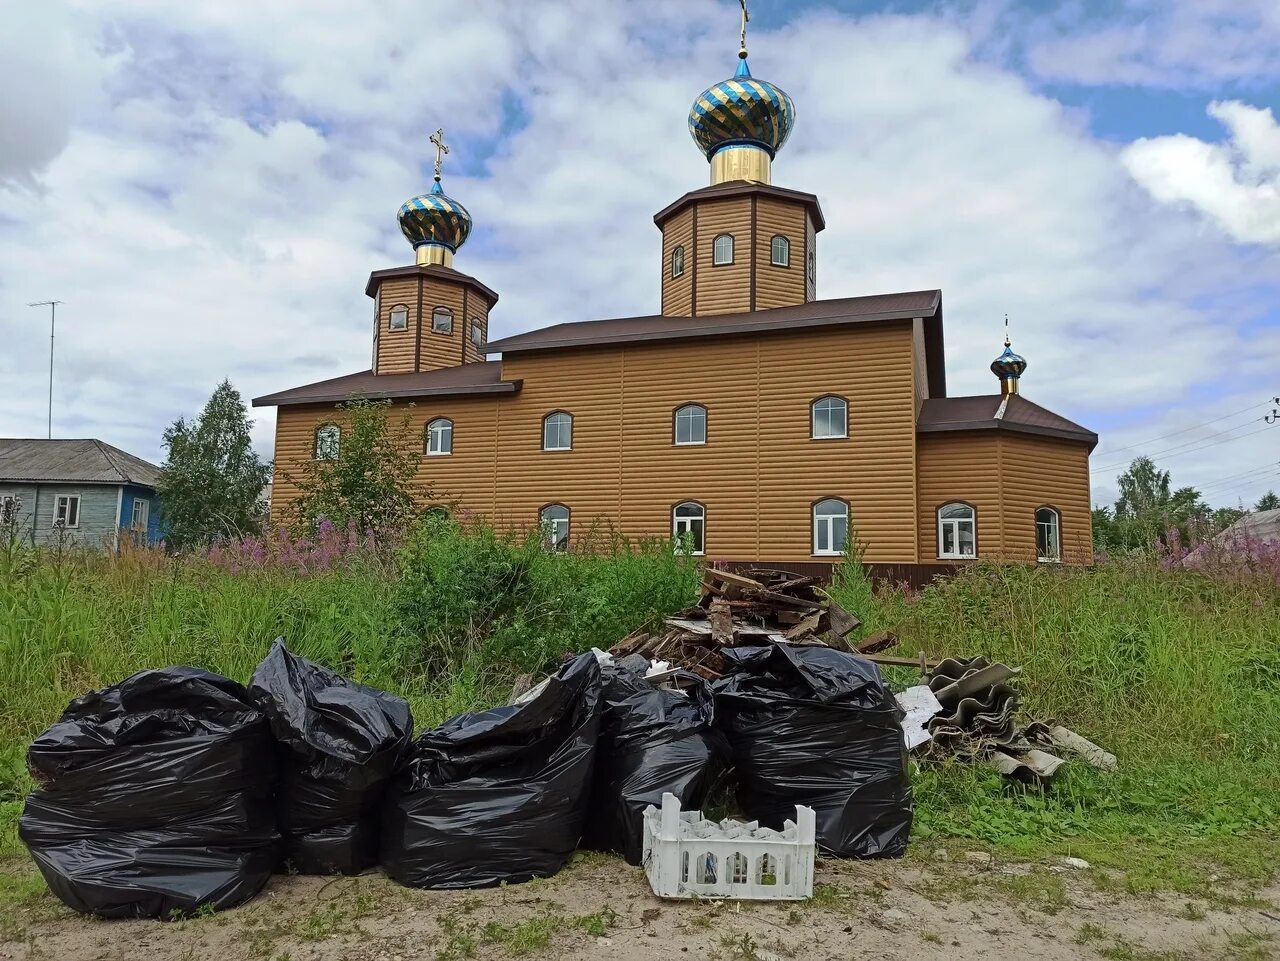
x,y
435,218
1008,364
742,110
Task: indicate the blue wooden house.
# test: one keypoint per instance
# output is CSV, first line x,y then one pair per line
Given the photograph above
x,y
82,492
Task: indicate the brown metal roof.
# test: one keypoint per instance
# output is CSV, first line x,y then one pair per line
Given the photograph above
x,y
431,270
481,378
739,188
818,313
72,461
983,413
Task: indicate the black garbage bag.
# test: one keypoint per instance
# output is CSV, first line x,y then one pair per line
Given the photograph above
x,y
340,744
499,795
815,726
652,741
154,797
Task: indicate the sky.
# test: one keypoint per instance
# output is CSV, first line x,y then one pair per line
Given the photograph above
x,y
206,187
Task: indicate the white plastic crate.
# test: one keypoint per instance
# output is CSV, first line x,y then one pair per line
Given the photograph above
x,y
687,856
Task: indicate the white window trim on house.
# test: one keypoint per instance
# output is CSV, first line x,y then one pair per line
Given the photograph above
x,y
145,505
955,524
717,257
62,511
555,527
780,251
1056,527
559,418
677,262
438,431
682,524
825,516
694,415
837,403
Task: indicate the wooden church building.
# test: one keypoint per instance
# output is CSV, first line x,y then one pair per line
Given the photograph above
x,y
750,420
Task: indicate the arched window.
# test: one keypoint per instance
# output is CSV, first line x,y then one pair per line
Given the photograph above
x,y
557,431
780,251
830,417
439,440
1048,535
813,266
677,262
830,527
398,319
957,531
691,425
689,527
722,250
477,334
328,439
442,320
554,519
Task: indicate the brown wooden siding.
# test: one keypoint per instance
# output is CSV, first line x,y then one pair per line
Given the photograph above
x,y
1006,476
396,347
811,243
758,474
677,292
727,288
779,286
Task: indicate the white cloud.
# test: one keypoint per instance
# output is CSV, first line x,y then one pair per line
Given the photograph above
x,y
1236,184
218,211
1179,44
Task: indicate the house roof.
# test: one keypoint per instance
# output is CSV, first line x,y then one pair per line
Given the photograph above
x,y
480,378
819,313
739,188
72,461
989,412
431,270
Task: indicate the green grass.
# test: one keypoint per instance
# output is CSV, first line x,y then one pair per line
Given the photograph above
x,y
1176,673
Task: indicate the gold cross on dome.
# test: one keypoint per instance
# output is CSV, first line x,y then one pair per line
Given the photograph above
x,y
746,18
437,138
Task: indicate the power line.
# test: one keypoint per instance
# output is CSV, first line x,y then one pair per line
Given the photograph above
x,y
1253,477
1179,449
1185,430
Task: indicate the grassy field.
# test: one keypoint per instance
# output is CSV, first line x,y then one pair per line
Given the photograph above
x,y
1177,673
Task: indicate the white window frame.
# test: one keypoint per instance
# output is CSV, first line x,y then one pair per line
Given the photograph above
x,y
784,247
955,524
139,502
824,523
439,314
813,265
689,409
62,510
546,422
677,261
554,539
437,430
477,334
716,259
813,417
1056,527
401,311
324,453
682,524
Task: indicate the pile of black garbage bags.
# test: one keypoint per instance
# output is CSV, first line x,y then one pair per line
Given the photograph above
x,y
179,789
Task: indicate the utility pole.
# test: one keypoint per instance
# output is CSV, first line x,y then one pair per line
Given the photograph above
x,y
53,320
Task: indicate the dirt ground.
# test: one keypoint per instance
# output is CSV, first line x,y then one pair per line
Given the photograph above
x,y
934,905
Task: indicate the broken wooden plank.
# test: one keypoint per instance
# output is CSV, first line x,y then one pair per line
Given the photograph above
x,y
877,643
721,623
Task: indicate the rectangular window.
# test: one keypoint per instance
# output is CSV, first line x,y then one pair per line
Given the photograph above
x,y
138,518
398,318
477,334
67,512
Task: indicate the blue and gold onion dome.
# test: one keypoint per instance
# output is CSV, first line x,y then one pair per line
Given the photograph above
x,y
435,218
742,111
1008,364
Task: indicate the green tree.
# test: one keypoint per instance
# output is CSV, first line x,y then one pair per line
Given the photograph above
x,y
368,480
212,479
1268,502
1148,507
1144,491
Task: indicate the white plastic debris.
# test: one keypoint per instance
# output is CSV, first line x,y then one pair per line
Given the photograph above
x,y
687,856
920,705
657,667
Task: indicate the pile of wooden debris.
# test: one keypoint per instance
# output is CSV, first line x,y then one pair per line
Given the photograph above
x,y
748,609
